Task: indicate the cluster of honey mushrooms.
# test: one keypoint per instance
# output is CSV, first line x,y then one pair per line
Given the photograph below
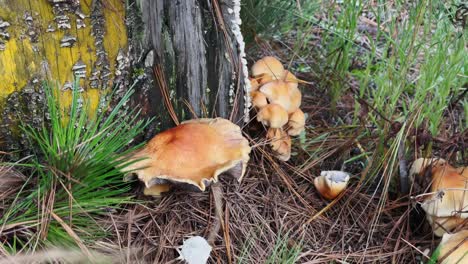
x,y
277,98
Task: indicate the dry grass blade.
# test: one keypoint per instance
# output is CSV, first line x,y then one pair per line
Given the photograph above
x,y
57,255
190,108
10,181
162,83
72,234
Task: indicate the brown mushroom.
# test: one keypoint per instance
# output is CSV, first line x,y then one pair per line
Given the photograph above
x,y
295,99
268,66
440,225
277,92
454,248
331,183
296,123
193,153
264,78
254,84
280,143
448,196
259,100
290,79
273,115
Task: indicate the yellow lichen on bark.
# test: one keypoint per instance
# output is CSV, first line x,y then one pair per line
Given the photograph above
x,y
24,59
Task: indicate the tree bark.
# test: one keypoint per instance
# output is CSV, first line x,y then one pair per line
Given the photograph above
x,y
56,40
108,42
193,42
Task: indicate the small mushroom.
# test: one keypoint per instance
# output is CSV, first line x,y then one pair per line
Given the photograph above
x,y
273,115
296,123
193,153
448,197
269,66
290,79
277,92
254,84
157,189
295,99
454,248
280,143
331,183
259,100
264,78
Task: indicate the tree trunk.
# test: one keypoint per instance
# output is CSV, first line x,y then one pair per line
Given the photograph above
x,y
193,42
56,40
108,42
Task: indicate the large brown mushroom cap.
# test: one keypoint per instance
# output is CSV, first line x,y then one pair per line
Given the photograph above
x,y
331,183
273,115
454,248
194,152
268,66
280,143
447,203
454,186
296,123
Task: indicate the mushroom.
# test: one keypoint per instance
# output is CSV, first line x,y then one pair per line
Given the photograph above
x,y
264,78
290,79
267,66
259,100
277,92
296,123
331,183
193,153
453,248
441,224
280,143
447,203
295,98
157,189
273,115
253,84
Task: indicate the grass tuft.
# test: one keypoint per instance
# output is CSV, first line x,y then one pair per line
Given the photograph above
x,y
74,179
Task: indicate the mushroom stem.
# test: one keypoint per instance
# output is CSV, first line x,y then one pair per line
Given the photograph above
x,y
404,181
217,191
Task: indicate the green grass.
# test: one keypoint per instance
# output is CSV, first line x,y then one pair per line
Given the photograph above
x,y
282,252
274,18
434,256
74,177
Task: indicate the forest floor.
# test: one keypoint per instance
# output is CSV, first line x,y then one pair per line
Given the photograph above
x,y
386,84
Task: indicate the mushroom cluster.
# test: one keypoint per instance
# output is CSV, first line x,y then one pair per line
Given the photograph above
x,y
192,154
276,97
446,204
